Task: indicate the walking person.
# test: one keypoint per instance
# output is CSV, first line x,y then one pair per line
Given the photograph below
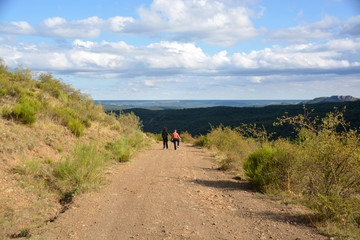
x,y
176,139
164,135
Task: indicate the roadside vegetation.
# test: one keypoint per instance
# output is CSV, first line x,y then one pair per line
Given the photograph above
x,y
56,143
319,168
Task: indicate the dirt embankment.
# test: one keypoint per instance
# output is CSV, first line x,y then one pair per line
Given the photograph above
x,y
168,194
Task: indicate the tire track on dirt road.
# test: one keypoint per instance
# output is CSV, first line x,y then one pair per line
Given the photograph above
x,y
168,194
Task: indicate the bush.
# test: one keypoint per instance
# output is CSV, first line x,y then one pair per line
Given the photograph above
x,y
156,137
76,127
83,169
122,149
26,109
6,111
130,121
87,122
329,175
230,145
202,141
270,168
2,92
186,137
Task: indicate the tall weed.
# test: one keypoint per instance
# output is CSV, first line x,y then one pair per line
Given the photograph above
x,y
122,149
76,127
83,169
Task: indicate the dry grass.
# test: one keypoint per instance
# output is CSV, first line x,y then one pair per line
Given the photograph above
x,y
29,192
25,202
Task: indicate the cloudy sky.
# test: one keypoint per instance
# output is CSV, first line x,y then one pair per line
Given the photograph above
x,y
188,49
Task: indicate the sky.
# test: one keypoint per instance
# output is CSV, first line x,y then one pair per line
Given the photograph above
x,y
188,49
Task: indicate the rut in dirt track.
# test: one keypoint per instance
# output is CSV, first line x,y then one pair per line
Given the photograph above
x,y
168,194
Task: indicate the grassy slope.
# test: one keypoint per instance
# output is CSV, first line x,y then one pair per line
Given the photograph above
x,y
27,200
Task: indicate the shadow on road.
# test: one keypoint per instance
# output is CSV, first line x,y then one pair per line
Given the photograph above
x,y
285,217
225,184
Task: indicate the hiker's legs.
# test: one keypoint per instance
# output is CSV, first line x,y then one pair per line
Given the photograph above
x,y
166,144
176,140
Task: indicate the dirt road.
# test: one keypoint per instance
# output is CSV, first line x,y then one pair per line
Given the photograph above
x,y
168,194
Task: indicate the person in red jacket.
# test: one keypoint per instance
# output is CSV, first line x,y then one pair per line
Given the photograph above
x,y
176,138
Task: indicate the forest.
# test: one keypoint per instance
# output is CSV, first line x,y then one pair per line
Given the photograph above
x,y
199,121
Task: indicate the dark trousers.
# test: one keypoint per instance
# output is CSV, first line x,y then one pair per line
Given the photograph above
x,y
176,140
165,143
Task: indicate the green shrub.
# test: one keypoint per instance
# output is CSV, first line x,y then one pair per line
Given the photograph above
x,y
76,127
270,168
231,147
329,174
64,114
156,137
130,121
6,111
186,137
2,92
122,149
26,109
87,122
202,141
82,169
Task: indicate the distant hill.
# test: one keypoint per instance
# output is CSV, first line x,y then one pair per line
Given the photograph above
x,y
199,120
331,99
183,104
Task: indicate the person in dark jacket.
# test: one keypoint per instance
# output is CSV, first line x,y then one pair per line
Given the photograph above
x,y
164,135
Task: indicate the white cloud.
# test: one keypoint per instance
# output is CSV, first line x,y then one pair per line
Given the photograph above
x,y
214,22
173,55
149,83
118,59
323,29
60,28
17,28
54,22
211,21
352,26
257,79
222,23
317,57
117,24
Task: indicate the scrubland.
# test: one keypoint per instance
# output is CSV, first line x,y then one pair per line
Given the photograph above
x,y
55,143
319,168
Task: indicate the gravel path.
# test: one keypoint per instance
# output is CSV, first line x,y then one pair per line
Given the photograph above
x,y
168,194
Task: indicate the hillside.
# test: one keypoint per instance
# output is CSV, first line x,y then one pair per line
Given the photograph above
x,y
331,99
49,133
199,121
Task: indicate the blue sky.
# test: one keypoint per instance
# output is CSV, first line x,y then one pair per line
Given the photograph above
x,y
188,49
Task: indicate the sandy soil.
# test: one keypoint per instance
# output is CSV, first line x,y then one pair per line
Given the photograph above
x,y
168,194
